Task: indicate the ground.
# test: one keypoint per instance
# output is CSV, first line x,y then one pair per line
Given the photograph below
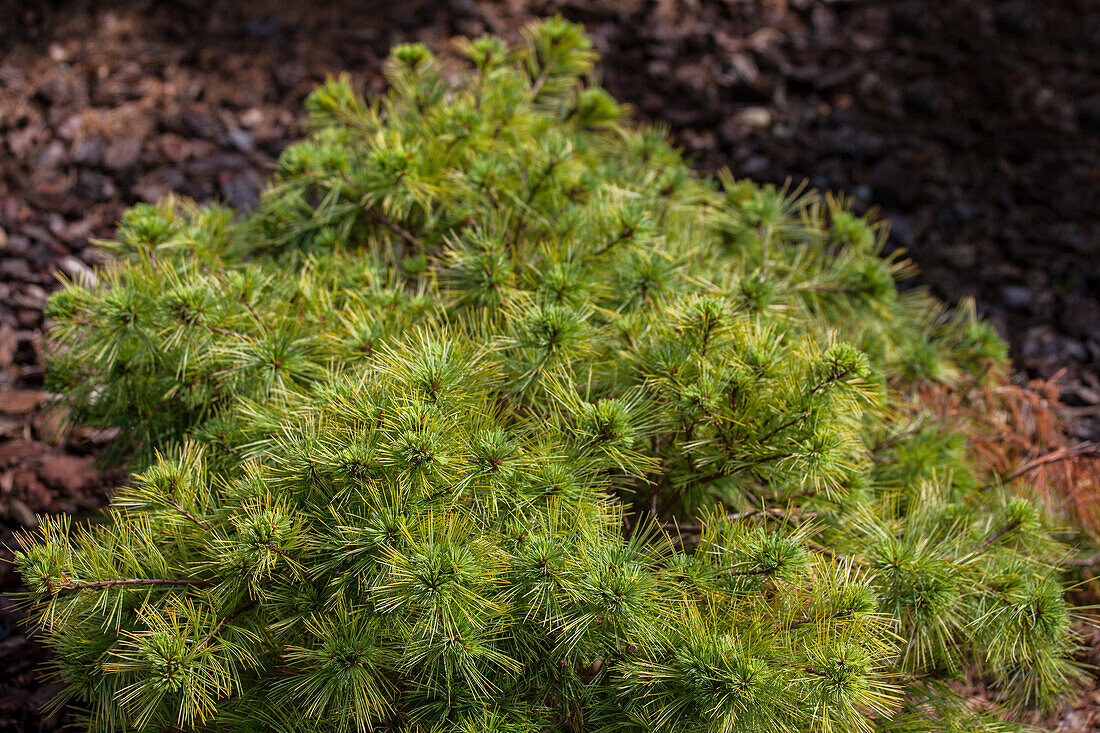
x,y
973,125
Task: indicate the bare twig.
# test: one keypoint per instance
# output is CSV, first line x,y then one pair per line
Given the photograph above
x,y
1067,453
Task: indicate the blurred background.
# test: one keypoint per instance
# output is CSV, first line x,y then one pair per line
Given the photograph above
x,y
973,126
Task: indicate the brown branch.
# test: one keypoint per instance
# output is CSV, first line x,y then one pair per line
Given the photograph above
x,y
816,288
1015,524
1067,453
799,416
206,639
255,314
772,512
836,555
277,551
833,616
758,571
134,581
537,86
244,301
623,235
189,515
1083,562
529,199
227,332
744,467
838,377
397,229
727,441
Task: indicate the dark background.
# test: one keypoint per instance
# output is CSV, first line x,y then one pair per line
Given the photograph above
x,y
973,125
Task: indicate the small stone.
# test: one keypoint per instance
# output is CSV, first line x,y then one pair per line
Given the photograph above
x,y
9,344
1088,114
69,128
20,401
1014,19
15,269
88,152
757,117
252,117
21,513
121,153
1017,296
95,186
52,156
923,98
58,53
911,18
71,473
175,147
29,318
240,139
77,270
200,125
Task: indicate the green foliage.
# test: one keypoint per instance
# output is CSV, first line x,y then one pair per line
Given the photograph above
x,y
496,417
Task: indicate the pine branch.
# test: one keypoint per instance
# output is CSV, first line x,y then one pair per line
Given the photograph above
x,y
213,632
397,229
772,512
853,559
536,86
132,582
832,616
172,502
989,540
531,194
418,509
624,235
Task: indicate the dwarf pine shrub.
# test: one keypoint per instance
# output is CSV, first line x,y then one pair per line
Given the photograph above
x,y
494,416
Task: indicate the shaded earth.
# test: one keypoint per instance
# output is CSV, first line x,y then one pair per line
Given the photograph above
x,y
973,125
